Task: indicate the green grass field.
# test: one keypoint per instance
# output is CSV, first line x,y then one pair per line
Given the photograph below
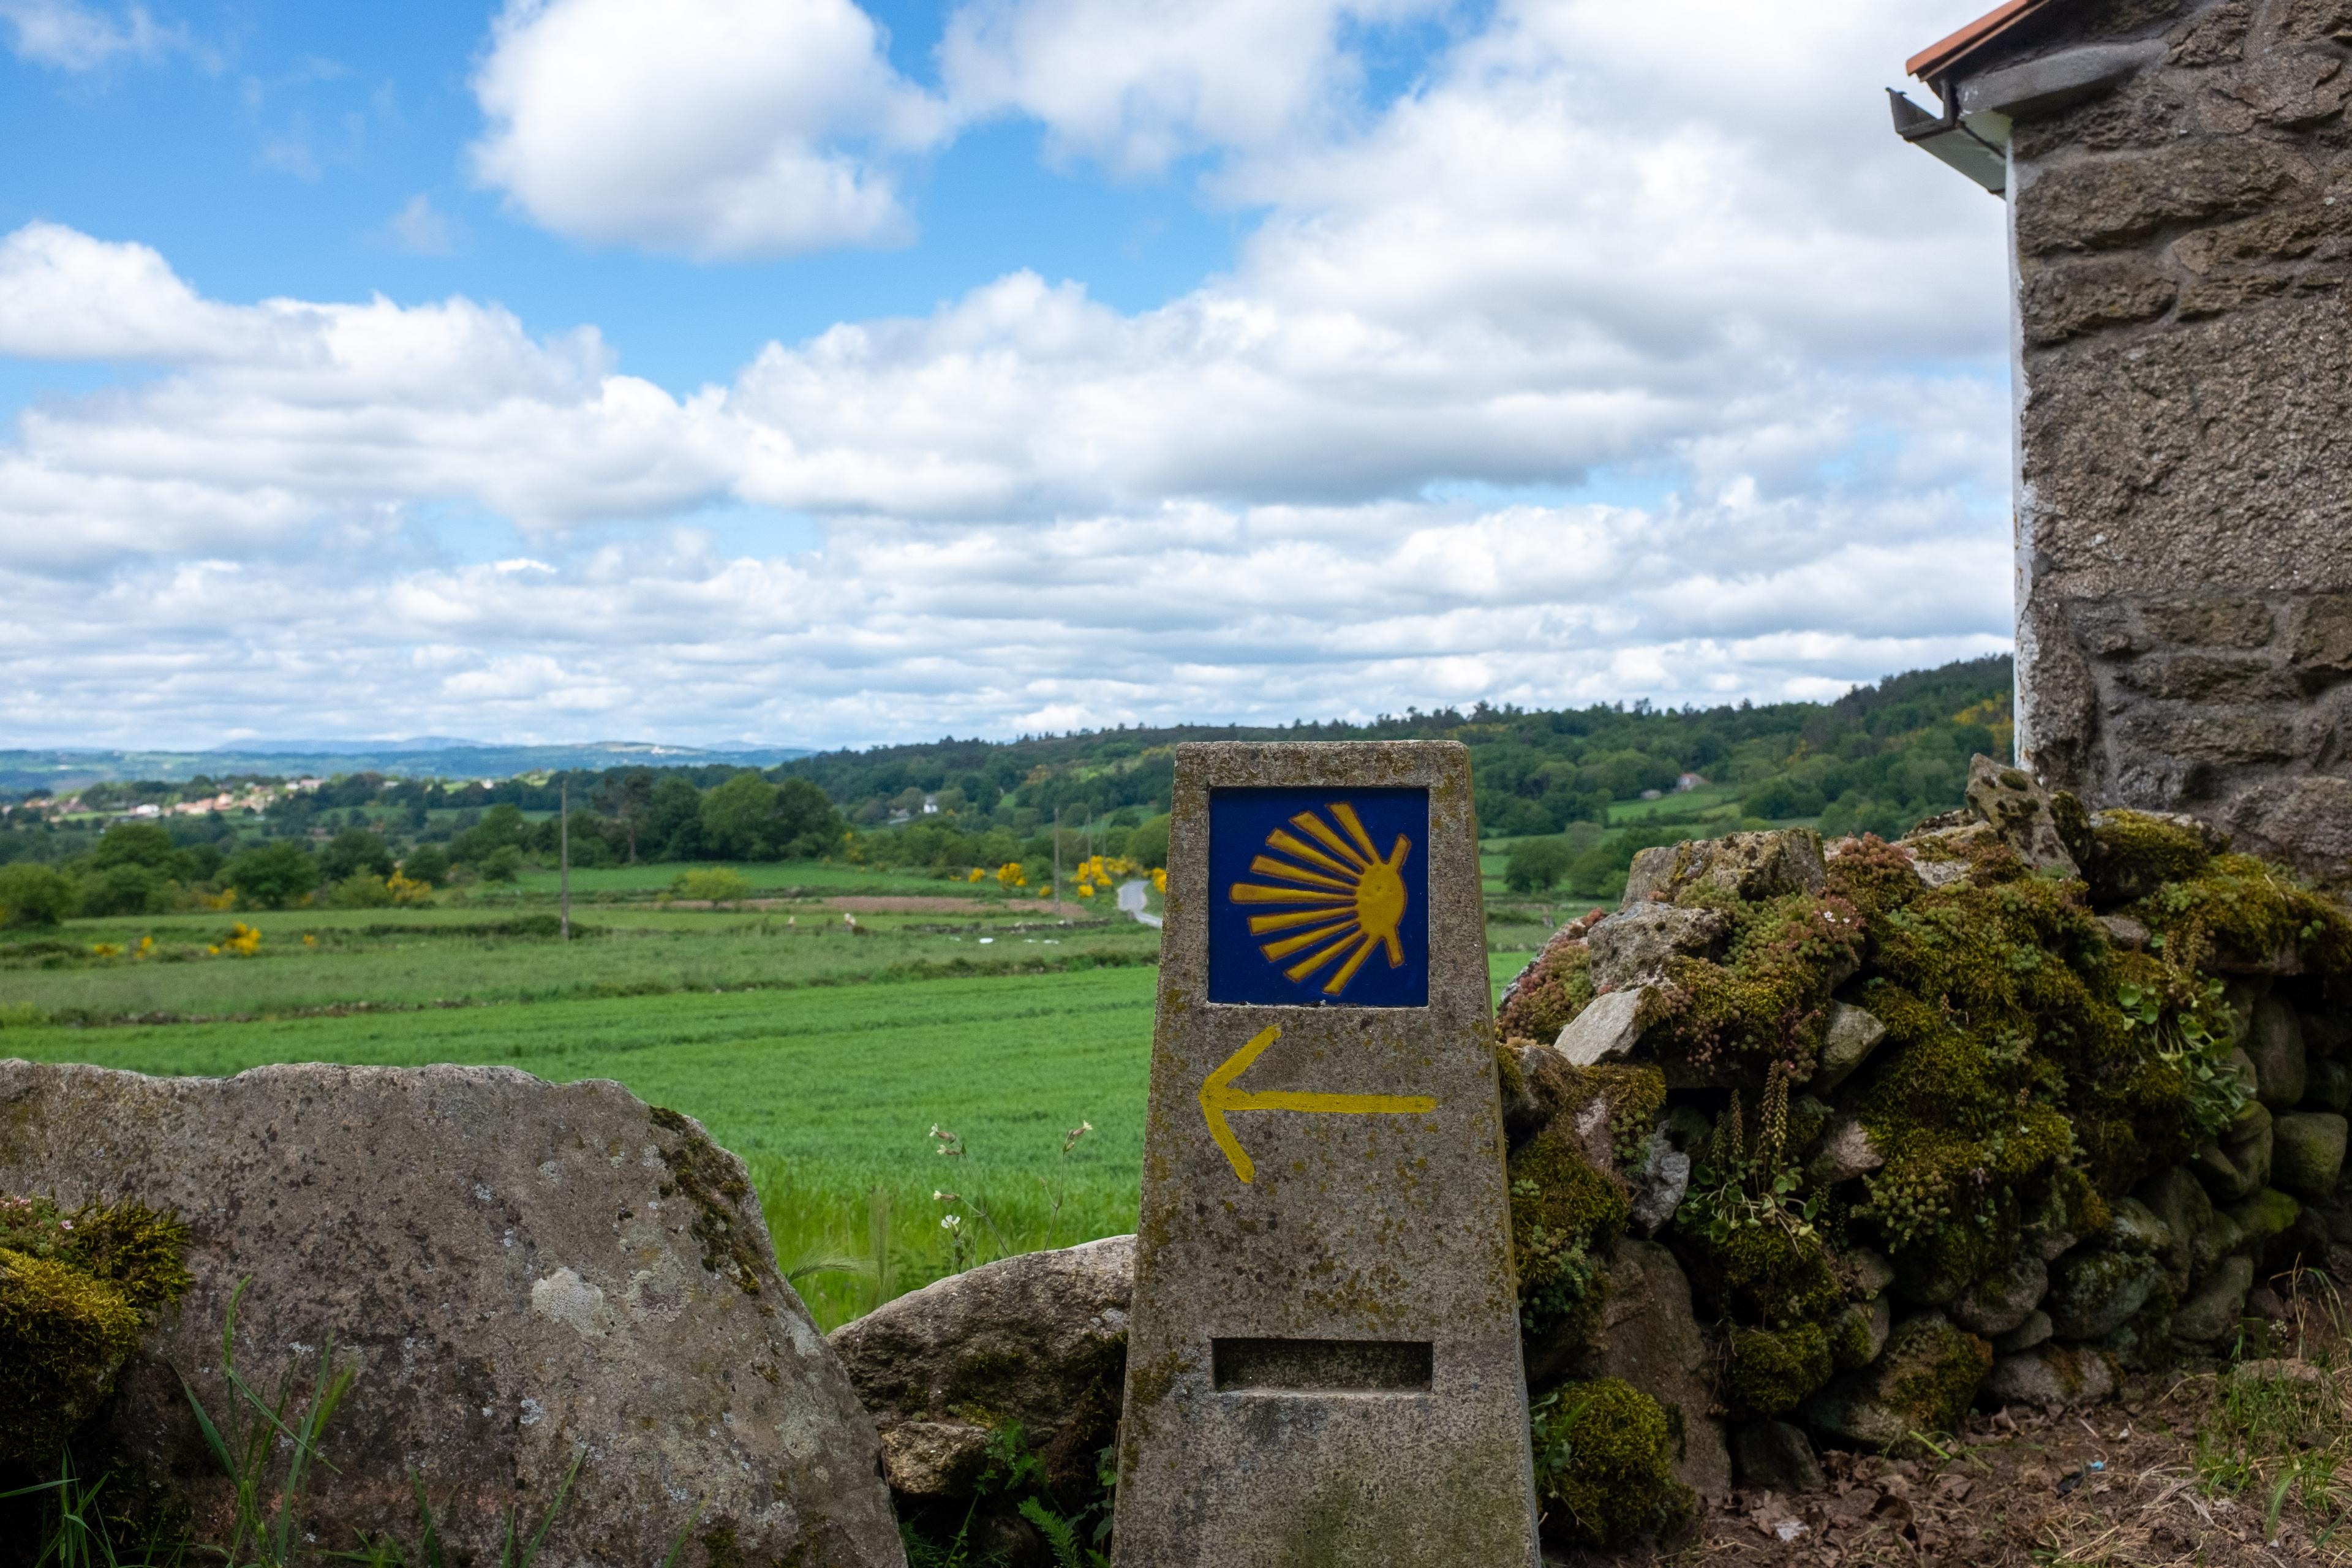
x,y
822,1058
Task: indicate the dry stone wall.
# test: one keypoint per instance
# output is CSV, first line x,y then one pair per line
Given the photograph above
x,y
2184,247
2005,1113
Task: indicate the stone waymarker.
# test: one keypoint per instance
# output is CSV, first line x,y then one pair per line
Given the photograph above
x,y
1323,1364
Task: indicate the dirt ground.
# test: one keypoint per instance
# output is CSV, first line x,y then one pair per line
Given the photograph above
x,y
2118,1486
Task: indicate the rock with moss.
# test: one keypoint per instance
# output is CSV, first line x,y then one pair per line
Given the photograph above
x,y
1037,1342
1849,1036
2134,853
1749,867
2019,810
1565,1215
2179,1201
2052,1376
1922,1382
2094,1292
1604,1465
1773,1370
2328,1087
1635,946
2307,1153
518,1270
1777,1457
2264,1217
78,1289
1649,1339
2000,1301
2210,1314
1540,1002
2037,1329
2274,1043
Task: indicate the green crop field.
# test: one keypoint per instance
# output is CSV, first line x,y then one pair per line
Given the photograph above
x,y
823,1058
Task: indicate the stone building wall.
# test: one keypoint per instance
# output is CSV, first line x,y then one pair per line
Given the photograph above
x,y
2184,256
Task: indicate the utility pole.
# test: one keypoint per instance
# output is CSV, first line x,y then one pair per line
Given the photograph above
x,y
564,852
1057,862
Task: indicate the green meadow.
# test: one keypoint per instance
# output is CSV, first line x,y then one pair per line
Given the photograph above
x,y
822,1057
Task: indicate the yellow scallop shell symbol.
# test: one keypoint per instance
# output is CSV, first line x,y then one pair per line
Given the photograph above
x,y
1349,900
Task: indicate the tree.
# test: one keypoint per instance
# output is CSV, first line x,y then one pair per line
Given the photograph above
x,y
749,818
272,876
1535,865
354,849
1147,845
34,895
503,864
502,827
133,844
735,817
673,829
807,823
125,888
429,864
629,800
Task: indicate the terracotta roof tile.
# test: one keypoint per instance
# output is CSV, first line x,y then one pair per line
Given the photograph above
x,y
1937,59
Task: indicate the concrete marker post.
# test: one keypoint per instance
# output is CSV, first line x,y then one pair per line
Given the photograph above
x,y
1323,1357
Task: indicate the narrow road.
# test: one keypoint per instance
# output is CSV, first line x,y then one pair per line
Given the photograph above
x,y
1132,896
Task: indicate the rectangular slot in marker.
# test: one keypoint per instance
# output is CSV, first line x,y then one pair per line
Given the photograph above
x,y
1321,1366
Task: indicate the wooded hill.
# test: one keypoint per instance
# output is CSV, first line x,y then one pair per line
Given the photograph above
x,y
1878,758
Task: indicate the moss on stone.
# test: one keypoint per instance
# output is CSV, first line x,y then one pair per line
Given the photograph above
x,y
1768,1274
1848,1335
1768,999
1549,993
76,1291
2131,853
1564,1217
1604,1465
712,1180
2240,911
1635,1095
1940,1367
64,1333
1772,1370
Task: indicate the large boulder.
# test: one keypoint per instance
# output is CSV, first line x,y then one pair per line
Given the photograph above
x,y
1039,1340
521,1273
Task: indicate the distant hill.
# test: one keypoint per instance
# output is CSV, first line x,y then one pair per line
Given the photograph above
x,y
1878,758
423,757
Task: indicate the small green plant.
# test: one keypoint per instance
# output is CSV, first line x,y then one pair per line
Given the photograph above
x,y
76,1531
1743,1185
266,1523
2188,1036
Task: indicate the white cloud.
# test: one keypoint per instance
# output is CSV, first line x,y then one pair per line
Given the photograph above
x,y
1140,82
715,128
420,229
1342,477
78,37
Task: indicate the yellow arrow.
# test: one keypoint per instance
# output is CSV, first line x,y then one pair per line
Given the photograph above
x,y
1218,1095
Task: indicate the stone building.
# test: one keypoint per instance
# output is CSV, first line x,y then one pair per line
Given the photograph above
x,y
2179,178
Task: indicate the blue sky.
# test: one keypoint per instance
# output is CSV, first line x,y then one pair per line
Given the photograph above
x,y
790,371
